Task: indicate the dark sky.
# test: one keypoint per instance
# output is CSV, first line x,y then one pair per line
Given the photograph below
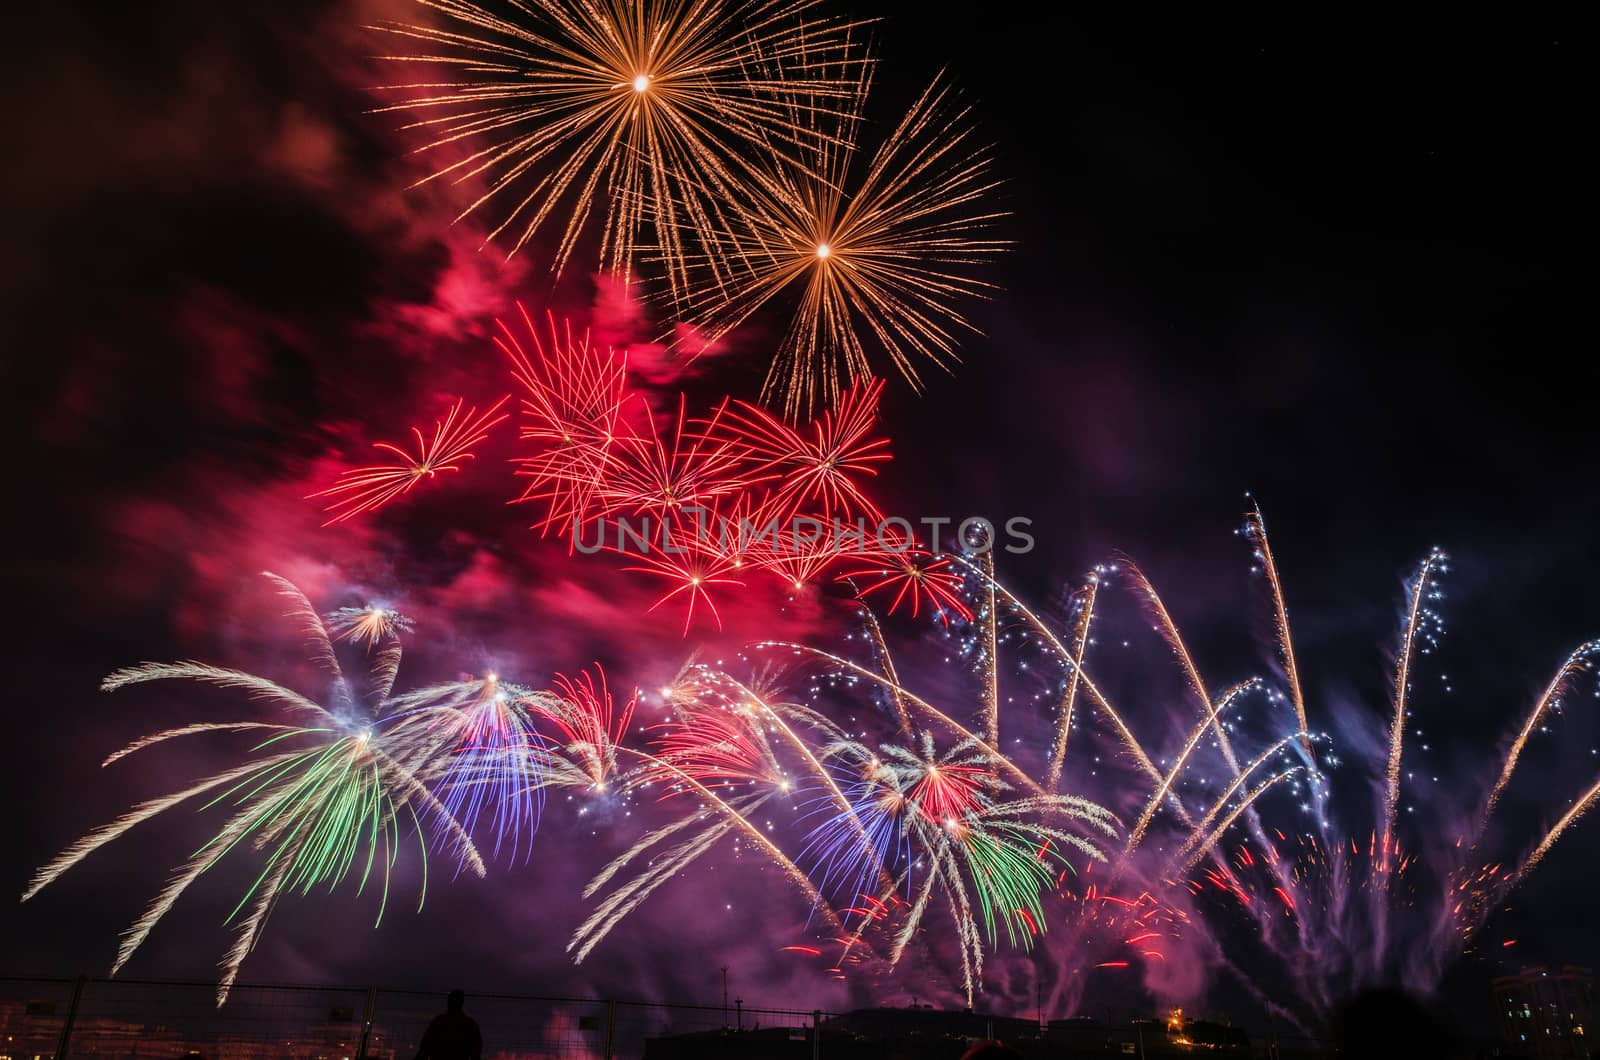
x,y
1333,266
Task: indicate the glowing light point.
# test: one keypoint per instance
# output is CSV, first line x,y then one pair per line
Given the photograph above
x,y
823,250
641,83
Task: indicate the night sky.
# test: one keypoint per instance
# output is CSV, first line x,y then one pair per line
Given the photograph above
x,y
1333,266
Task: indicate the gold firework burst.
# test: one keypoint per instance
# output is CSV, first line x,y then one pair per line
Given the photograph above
x,y
644,111
884,266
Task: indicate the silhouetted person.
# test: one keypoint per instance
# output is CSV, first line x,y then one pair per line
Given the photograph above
x,y
991,1051
453,1035
1388,1024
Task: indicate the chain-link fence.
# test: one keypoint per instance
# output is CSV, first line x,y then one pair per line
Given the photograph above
x,y
126,1019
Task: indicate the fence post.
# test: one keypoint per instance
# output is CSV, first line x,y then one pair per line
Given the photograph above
x,y
816,1033
366,1022
611,1031
72,1015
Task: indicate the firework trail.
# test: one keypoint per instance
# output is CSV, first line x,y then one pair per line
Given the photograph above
x,y
1212,720
1208,841
1255,529
989,649
885,662
1421,620
1480,887
730,815
642,111
1049,637
366,489
1332,907
1203,827
1581,806
1169,632
1085,601
1580,661
325,796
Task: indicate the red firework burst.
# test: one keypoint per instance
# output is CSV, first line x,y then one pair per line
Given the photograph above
x,y
693,566
915,577
588,720
947,793
799,549
741,490
717,744
667,475
575,394
819,466
365,489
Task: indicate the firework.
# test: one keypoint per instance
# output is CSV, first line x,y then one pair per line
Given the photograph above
x,y
917,578
366,489
715,754
945,792
573,406
368,626
717,740
1421,622
981,844
482,732
692,573
817,469
891,259
327,794
672,475
1579,661
881,813
852,844
915,834
589,725
904,822
643,111
1330,906
1084,600
702,503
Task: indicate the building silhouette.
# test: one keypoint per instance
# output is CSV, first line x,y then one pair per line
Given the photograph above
x,y
1544,1012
